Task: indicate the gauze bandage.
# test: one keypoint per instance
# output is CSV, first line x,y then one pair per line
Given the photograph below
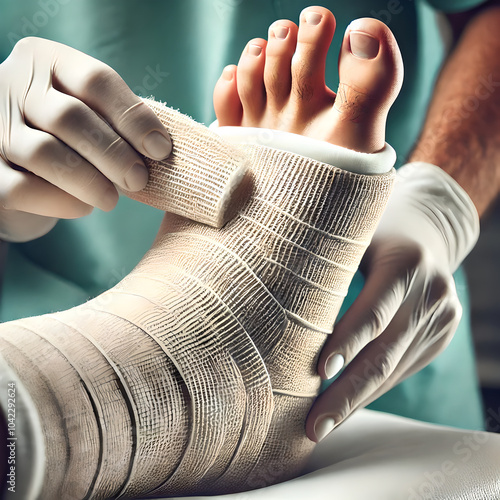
x,y
202,179
195,374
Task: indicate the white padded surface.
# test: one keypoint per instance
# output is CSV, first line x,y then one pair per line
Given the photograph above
x,y
377,456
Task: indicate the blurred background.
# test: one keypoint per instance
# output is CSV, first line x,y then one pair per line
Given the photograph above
x,y
483,273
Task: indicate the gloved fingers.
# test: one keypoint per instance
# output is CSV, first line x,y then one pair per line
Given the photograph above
x,y
26,192
370,314
20,227
408,344
363,377
437,300
80,128
103,90
419,354
48,158
435,336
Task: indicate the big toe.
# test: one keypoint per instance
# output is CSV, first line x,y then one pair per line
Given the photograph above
x,y
371,74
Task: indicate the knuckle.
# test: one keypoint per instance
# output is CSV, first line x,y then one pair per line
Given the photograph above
x,y
442,290
97,77
345,408
69,113
26,44
446,320
89,180
117,148
442,340
43,148
135,112
443,286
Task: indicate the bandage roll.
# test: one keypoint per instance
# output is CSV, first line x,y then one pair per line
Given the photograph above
x,y
203,179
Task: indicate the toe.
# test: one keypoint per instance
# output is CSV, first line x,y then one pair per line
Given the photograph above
x,y
227,104
316,29
250,80
277,72
370,73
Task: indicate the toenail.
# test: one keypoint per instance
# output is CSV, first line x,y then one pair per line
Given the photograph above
x,y
227,74
254,50
363,45
281,32
313,18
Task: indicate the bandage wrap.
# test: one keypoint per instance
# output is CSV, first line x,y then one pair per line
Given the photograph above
x,y
195,374
199,177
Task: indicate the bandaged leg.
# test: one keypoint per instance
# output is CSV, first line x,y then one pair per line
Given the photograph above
x,y
196,372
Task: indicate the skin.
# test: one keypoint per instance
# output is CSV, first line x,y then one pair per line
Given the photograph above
x,y
272,88
460,133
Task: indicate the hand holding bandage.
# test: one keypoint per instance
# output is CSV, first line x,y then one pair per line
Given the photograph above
x,y
408,310
71,132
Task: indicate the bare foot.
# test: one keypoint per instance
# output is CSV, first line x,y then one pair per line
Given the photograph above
x,y
280,83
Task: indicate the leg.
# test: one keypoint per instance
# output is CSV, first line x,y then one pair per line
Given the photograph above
x,y
196,372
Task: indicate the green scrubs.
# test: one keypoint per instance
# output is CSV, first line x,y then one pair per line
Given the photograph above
x,y
175,50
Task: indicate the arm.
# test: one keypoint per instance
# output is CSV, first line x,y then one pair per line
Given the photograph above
x,y
461,129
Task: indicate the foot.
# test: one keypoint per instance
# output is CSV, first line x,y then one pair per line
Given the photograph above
x,y
280,83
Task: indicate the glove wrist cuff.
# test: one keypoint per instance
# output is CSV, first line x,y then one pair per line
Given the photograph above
x,y
449,207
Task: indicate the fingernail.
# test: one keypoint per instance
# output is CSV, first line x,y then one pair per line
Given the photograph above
x,y
313,18
254,50
333,365
157,146
363,45
110,199
227,74
136,178
323,428
280,32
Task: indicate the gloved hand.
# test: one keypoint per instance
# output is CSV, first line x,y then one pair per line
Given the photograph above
x,y
408,310
70,128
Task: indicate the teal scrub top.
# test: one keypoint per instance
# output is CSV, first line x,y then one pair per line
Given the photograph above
x,y
175,50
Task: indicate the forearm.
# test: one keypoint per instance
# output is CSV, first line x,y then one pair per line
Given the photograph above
x,y
461,131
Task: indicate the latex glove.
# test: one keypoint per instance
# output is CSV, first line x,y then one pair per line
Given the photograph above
x,y
75,129
408,310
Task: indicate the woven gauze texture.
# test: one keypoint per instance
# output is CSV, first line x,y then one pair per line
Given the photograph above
x,y
199,177
195,374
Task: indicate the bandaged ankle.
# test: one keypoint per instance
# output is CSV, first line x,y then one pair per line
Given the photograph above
x,y
195,374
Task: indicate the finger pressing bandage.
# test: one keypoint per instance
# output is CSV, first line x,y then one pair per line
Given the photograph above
x,y
195,374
